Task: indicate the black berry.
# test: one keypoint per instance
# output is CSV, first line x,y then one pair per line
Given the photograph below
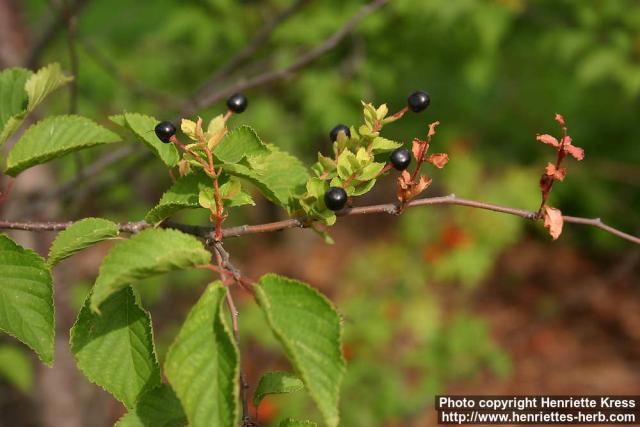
x,y
336,130
418,101
164,131
335,198
237,103
400,158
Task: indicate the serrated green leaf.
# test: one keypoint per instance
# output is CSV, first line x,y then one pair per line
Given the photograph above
x,y
148,253
54,137
203,364
345,162
26,298
230,192
15,368
159,407
290,422
310,330
43,82
240,143
143,126
13,100
185,194
276,383
114,349
362,188
278,175
316,187
80,235
370,171
383,145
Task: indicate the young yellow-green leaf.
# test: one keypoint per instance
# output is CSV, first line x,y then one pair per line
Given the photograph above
x,y
290,422
13,100
310,330
15,368
114,349
203,364
43,82
159,407
278,175
383,145
276,383
240,143
370,171
143,126
78,236
26,298
148,253
184,194
54,137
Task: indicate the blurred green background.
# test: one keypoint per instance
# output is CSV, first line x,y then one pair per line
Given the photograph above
x,y
440,299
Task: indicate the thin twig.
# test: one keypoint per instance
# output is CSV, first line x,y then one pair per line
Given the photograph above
x,y
207,98
244,385
133,85
302,222
56,25
261,37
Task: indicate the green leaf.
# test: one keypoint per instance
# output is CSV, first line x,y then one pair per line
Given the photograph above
x,y
278,175
13,100
26,298
310,330
203,364
148,253
383,145
362,188
184,194
80,235
15,368
370,171
276,383
143,126
54,137
43,82
230,192
345,162
159,407
115,349
240,143
290,422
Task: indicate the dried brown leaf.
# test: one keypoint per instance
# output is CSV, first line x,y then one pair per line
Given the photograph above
x,y
553,221
548,139
438,159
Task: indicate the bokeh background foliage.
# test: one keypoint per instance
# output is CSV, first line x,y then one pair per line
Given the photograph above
x,y
413,290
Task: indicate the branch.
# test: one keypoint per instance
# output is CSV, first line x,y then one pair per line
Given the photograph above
x,y
57,24
258,40
206,99
303,222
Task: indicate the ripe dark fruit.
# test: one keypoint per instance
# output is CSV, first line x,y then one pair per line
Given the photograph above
x,y
164,131
400,158
336,130
418,101
237,103
335,198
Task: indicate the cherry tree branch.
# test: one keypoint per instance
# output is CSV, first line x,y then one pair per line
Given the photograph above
x,y
303,222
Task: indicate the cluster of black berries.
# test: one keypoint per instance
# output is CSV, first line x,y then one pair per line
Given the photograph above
x,y
166,130
335,197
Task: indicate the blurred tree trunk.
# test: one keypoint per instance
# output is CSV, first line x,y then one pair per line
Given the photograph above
x,y
58,397
13,39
